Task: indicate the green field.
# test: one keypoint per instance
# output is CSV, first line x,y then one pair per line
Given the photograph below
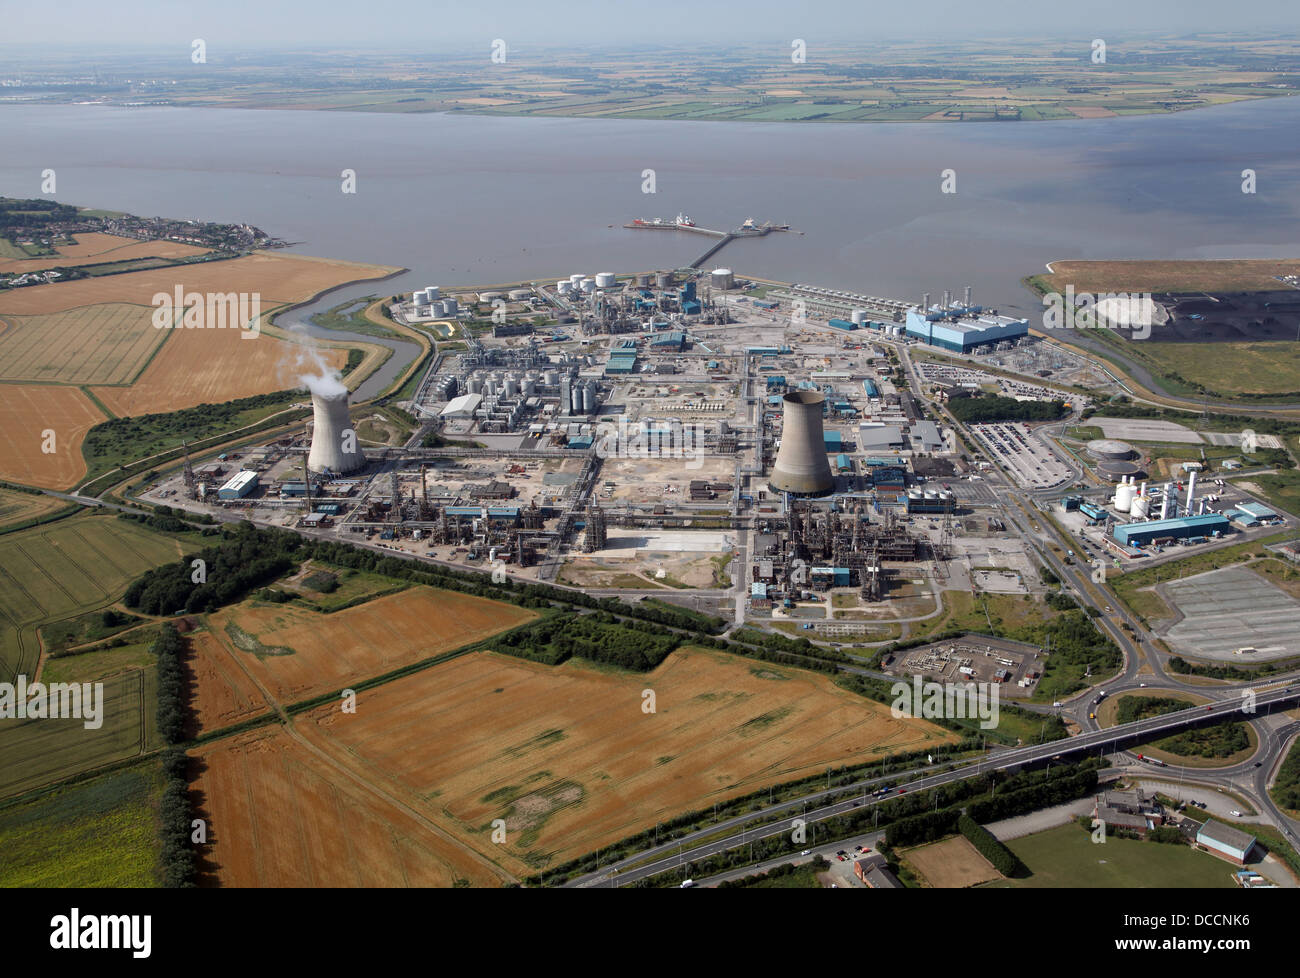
x,y
101,833
1067,858
66,569
38,752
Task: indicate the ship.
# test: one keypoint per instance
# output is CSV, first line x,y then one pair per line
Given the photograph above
x,y
684,222
654,222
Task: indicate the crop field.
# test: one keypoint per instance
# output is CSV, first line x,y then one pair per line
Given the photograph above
x,y
1226,275
221,692
15,507
65,569
36,752
279,814
568,759
81,333
27,411
101,833
297,653
94,247
107,343
952,863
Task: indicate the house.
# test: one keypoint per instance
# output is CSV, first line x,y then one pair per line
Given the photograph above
x,y
873,870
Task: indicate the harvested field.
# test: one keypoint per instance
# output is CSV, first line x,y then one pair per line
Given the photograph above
x,y
96,246
567,757
280,815
1168,276
222,693
28,410
951,864
15,507
330,651
109,343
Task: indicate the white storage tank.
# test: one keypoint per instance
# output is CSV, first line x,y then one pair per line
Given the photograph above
x,y
605,280
1141,507
1124,494
859,317
551,378
431,294
519,295
721,278
450,307
575,280
587,284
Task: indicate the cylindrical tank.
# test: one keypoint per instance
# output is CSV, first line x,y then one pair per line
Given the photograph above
x,y
489,296
801,467
1124,497
664,280
643,281
450,307
575,280
605,280
721,278
1141,507
587,284
511,387
519,295
475,385
859,317
551,378
333,440
431,293
530,385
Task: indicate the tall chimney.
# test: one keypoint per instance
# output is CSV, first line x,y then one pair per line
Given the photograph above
x,y
966,303
1191,495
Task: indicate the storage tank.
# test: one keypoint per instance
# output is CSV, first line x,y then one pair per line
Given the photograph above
x,y
643,281
431,294
1141,507
519,295
551,377
511,387
450,307
721,278
475,385
1124,494
587,284
605,280
664,280
859,317
575,280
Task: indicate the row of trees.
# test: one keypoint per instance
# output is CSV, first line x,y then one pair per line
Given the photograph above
x,y
1072,784
991,848
177,853
991,407
596,637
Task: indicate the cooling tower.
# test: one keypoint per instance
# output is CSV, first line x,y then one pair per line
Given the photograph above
x,y
801,467
333,442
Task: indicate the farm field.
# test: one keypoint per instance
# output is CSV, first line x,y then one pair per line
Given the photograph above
x,y
951,864
297,653
15,507
82,333
1066,857
29,410
567,757
96,246
37,752
107,343
1225,275
101,833
280,815
49,573
221,692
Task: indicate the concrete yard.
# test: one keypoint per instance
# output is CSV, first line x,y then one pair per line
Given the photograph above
x,y
1228,609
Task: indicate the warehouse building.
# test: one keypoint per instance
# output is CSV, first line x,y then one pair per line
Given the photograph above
x,y
240,486
1180,528
962,332
880,437
1231,844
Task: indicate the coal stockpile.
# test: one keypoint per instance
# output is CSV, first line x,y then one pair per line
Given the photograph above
x,y
1228,317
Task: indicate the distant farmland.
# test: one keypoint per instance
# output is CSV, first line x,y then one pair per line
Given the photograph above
x,y
27,411
107,343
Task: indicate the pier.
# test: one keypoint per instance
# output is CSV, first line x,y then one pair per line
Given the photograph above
x,y
746,230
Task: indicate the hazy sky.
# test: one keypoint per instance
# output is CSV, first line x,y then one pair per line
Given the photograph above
x,y
408,24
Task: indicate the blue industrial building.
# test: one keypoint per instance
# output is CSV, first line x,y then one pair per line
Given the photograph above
x,y
962,331
843,324
674,340
1178,528
775,380
832,440
829,576
869,386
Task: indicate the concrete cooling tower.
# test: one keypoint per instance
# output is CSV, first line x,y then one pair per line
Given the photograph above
x,y
328,447
801,467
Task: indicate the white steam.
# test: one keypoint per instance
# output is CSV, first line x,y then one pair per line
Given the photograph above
x,y
309,367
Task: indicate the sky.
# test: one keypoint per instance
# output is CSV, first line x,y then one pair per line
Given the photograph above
x,y
406,24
